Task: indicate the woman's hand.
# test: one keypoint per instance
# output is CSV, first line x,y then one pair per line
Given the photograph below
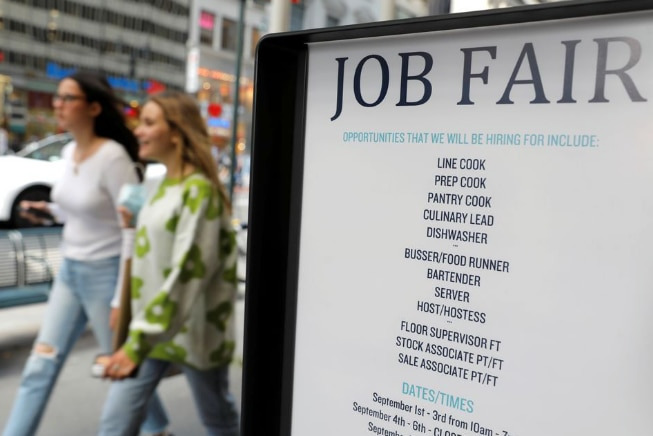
x,y
126,217
119,366
26,208
113,317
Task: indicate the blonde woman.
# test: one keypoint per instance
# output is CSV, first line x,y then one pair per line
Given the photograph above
x,y
183,277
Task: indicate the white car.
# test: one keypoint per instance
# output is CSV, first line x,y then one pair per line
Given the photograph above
x,y
30,174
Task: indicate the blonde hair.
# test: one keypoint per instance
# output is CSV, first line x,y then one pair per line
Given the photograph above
x,y
182,114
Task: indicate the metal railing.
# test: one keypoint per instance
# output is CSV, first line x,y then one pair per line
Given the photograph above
x,y
29,259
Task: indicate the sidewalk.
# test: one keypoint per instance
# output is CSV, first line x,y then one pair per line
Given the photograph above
x,y
19,325
75,405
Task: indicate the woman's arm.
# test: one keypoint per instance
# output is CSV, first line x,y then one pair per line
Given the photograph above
x,y
118,172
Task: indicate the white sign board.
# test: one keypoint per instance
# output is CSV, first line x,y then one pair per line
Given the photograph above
x,y
475,252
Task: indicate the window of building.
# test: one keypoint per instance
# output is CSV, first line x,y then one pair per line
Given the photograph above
x,y
207,24
87,12
38,34
39,63
99,15
229,34
17,26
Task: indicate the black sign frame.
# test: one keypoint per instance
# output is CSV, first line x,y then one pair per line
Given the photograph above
x,y
276,190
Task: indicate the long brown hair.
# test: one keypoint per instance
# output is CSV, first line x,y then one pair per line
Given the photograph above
x,y
110,123
183,115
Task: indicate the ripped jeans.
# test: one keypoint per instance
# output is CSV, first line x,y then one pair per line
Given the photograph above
x,y
81,294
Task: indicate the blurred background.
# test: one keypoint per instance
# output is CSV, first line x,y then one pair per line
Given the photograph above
x,y
145,46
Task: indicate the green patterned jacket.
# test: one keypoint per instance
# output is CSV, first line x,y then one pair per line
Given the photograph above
x,y
184,277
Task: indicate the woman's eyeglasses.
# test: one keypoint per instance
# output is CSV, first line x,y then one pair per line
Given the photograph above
x,y
66,98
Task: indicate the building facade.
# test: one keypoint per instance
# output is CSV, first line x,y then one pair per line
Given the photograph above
x,y
211,64
139,44
213,40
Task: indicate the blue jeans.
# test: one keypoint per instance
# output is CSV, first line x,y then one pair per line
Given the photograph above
x,y
81,293
125,404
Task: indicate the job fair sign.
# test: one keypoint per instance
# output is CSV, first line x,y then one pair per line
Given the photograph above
x,y
476,244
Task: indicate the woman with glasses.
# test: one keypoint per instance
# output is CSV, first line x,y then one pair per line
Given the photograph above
x,y
102,157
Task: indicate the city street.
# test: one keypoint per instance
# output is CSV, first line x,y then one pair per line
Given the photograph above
x,y
75,405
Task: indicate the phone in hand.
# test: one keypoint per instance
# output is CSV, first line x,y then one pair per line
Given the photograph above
x,y
97,370
99,365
